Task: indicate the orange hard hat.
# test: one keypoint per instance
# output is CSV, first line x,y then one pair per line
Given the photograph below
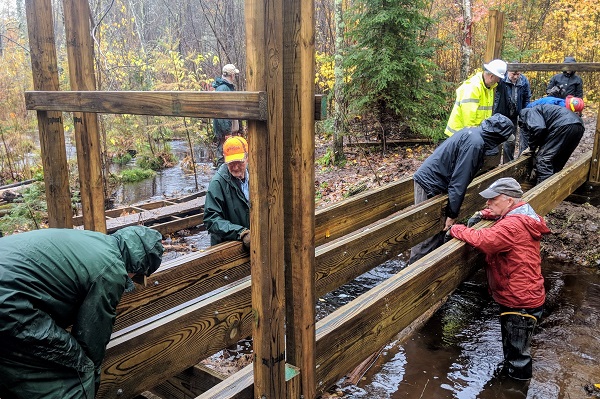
x,y
235,148
575,104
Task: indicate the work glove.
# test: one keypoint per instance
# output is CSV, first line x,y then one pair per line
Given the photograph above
x,y
553,91
245,237
447,236
533,175
473,220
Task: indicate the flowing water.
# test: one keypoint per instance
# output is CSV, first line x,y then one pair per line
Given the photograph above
x,y
167,183
456,353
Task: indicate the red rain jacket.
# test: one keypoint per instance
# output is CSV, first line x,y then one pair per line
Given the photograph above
x,y
512,249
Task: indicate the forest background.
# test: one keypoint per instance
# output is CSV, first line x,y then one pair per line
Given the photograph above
x,y
390,65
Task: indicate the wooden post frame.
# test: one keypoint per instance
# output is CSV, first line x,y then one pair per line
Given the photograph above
x,y
264,60
493,46
87,138
44,67
299,186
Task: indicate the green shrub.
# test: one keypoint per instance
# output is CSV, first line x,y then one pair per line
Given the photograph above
x,y
135,175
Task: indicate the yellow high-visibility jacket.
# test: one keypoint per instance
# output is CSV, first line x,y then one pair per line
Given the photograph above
x,y
474,102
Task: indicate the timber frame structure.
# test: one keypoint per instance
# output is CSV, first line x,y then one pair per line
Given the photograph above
x,y
204,302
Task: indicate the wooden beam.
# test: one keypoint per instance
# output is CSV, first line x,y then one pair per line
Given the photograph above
x,y
577,66
202,104
198,104
87,138
361,210
190,383
493,46
265,60
141,356
299,184
594,176
40,25
347,258
181,280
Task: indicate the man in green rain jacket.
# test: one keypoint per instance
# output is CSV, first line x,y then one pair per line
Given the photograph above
x,y
51,279
227,204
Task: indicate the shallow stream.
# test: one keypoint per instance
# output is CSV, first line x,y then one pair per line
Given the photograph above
x,y
456,353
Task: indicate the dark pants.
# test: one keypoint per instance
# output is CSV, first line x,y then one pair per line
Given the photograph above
x,y
552,156
428,245
517,327
508,149
29,381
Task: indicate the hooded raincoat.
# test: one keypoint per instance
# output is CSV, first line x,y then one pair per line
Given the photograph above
x,y
53,279
226,209
553,132
453,165
512,250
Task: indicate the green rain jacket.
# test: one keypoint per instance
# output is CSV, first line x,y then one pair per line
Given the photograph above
x,y
226,210
55,278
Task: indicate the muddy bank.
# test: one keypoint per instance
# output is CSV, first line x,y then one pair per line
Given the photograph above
x,y
575,234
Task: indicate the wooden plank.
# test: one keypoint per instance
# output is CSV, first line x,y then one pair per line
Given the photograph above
x,y
87,138
242,105
40,26
578,66
236,386
174,226
299,184
142,356
361,210
493,46
190,383
594,175
116,212
265,59
181,280
201,104
155,215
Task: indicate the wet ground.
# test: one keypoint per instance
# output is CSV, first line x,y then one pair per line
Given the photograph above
x,y
456,353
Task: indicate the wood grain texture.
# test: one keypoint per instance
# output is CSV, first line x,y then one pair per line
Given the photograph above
x,y
44,68
203,104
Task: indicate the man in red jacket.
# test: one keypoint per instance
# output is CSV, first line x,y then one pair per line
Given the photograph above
x,y
514,274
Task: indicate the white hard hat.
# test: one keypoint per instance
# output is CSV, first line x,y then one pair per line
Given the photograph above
x,y
497,67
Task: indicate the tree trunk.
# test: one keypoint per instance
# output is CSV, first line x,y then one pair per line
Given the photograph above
x,y
465,47
339,115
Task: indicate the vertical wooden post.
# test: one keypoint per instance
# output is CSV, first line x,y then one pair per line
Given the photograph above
x,y
493,47
40,26
594,176
264,72
82,77
299,186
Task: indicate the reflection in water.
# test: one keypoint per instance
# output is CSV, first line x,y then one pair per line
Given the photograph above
x,y
168,183
457,352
